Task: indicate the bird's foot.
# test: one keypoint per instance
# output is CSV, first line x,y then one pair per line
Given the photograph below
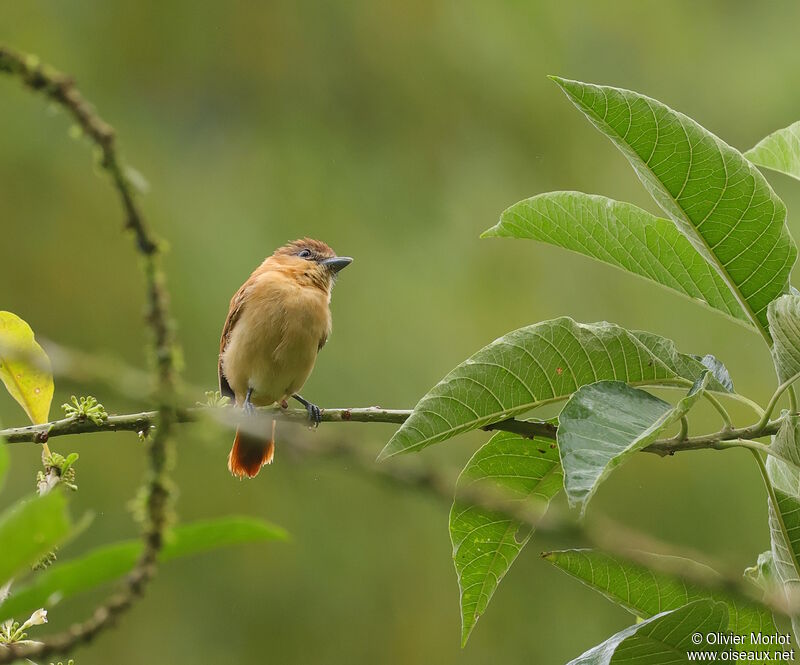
x,y
248,407
314,412
284,404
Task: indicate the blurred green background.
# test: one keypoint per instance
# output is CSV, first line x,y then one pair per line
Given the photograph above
x,y
396,132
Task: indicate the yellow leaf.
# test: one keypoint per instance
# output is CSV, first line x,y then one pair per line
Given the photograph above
x,y
25,368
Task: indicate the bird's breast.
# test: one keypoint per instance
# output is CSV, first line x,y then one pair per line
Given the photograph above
x,y
274,344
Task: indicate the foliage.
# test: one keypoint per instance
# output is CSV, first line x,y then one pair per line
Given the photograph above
x,y
110,562
658,583
779,151
723,243
485,543
25,368
29,530
604,423
539,365
659,639
32,528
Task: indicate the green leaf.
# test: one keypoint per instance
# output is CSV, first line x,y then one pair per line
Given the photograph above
x,y
110,562
786,443
655,583
663,639
623,236
25,368
784,529
485,543
718,371
537,365
604,423
784,325
30,529
205,535
717,198
780,151
784,510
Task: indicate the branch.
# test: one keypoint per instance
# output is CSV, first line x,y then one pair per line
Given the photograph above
x,y
145,420
60,90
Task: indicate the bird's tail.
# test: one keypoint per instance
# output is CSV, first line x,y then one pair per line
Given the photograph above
x,y
250,452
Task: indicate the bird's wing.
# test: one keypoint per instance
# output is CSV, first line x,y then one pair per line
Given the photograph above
x,y
234,311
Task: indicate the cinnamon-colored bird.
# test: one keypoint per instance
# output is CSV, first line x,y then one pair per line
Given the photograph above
x,y
277,322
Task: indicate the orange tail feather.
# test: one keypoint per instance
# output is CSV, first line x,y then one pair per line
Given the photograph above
x,y
249,453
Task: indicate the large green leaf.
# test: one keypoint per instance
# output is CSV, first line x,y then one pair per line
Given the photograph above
x,y
623,236
29,529
784,510
485,543
654,584
784,529
784,325
604,423
779,151
110,562
25,368
717,198
663,639
537,365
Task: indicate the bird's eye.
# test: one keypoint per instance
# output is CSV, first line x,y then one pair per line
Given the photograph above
x,y
304,254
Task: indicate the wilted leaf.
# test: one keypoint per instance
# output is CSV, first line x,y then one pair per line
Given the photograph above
x,y
720,201
30,529
510,468
105,564
621,235
604,423
537,365
25,368
663,639
654,584
779,151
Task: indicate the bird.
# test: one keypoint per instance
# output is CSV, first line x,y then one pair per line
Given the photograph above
x,y
277,323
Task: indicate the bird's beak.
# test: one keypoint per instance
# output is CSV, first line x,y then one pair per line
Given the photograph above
x,y
336,263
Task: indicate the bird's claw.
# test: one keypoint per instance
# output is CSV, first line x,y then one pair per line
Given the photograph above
x,y
248,407
314,414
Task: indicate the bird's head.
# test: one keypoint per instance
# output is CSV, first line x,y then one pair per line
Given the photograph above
x,y
311,262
